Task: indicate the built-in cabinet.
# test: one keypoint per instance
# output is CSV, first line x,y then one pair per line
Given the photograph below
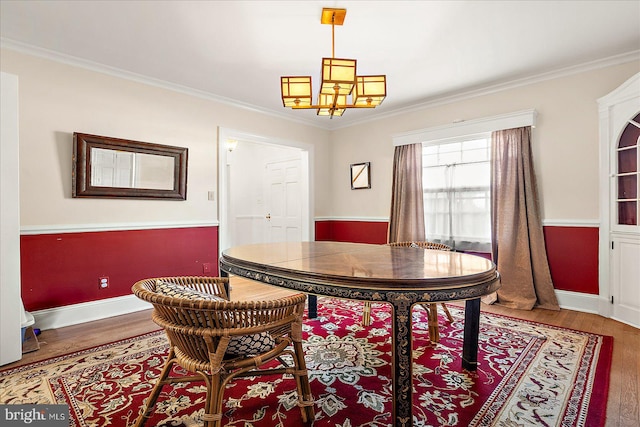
x,y
620,203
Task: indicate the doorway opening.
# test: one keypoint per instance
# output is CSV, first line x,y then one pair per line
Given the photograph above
x,y
264,186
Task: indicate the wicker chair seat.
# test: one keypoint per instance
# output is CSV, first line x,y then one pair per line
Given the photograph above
x,y
201,332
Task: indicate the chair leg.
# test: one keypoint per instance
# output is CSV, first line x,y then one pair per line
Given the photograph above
x,y
434,330
305,398
446,312
155,392
366,314
213,406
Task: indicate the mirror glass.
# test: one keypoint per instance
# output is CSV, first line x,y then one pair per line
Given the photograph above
x,y
126,169
111,167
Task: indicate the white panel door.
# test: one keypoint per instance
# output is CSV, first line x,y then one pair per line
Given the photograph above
x,y
111,168
283,201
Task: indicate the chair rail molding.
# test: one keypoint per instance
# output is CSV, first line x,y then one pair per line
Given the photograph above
x,y
84,228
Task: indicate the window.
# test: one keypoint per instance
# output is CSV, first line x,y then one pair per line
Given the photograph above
x,y
456,183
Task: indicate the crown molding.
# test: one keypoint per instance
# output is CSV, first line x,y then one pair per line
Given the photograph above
x,y
499,87
139,78
6,43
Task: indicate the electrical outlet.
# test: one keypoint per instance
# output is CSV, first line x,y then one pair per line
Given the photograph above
x,y
104,282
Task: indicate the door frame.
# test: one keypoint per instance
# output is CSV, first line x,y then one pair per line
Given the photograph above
x,y
11,312
224,159
615,109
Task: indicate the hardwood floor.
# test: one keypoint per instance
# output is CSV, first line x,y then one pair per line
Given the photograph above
x,y
624,389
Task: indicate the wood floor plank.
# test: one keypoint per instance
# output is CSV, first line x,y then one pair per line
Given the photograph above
x,y
629,400
615,376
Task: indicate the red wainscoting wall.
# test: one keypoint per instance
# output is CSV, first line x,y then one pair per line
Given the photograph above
x,y
573,258
572,251
65,268
352,231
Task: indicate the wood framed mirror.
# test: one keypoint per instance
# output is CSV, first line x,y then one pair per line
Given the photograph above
x,y
120,168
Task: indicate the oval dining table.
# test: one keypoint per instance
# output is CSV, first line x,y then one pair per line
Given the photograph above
x,y
400,276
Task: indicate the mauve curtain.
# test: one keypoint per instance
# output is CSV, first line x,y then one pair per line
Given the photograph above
x,y
516,231
406,222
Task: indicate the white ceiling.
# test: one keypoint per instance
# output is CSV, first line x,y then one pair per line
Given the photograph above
x,y
237,50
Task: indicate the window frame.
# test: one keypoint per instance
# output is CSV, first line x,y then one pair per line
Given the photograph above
x,y
460,242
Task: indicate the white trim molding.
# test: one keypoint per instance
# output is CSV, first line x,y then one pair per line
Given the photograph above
x,y
11,311
578,301
461,128
571,223
351,218
68,315
74,61
84,228
438,101
545,222
433,102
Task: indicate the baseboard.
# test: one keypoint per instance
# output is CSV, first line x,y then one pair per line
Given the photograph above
x,y
577,301
95,310
68,315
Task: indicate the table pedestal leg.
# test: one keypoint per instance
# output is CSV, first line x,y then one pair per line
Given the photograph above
x,y
227,287
312,306
471,332
401,367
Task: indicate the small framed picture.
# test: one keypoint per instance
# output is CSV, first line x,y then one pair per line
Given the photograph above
x,y
360,176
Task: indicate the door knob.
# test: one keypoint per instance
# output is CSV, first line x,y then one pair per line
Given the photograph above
x,y
268,216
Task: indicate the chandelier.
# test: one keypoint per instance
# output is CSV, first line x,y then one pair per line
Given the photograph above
x,y
339,81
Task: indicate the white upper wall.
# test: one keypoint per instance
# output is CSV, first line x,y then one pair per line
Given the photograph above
x,y
57,99
565,143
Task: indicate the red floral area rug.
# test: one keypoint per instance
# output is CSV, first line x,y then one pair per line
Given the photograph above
x,y
529,374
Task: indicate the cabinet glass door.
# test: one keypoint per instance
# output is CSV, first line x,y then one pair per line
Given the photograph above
x,y
628,178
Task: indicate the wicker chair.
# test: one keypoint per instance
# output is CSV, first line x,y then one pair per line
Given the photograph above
x,y
201,332
432,309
